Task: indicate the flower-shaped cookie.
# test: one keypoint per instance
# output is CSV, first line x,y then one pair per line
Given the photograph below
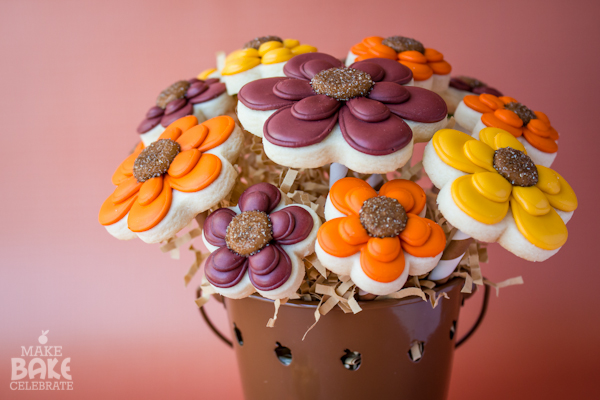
x,y
321,112
429,69
205,99
262,57
162,187
481,180
462,86
378,239
531,128
259,245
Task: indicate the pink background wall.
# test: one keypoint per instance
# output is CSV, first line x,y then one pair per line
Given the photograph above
x,y
77,77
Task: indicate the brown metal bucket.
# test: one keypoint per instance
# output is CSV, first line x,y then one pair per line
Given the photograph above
x,y
347,356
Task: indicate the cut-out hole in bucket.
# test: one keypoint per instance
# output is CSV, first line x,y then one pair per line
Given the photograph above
x,y
284,355
415,353
351,360
238,335
452,330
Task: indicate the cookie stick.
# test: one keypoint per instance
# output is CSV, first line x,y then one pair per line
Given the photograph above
x,y
452,255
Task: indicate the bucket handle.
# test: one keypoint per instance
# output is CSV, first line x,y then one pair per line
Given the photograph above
x,y
460,342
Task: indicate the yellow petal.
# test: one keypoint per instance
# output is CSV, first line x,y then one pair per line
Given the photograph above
x,y
532,199
505,139
268,46
242,54
290,43
474,204
480,154
493,186
547,180
487,135
238,65
565,199
448,144
304,48
277,55
547,232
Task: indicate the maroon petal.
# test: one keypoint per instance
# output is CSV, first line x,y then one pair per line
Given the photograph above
x,y
211,81
277,276
389,92
175,105
311,68
293,89
374,138
376,71
215,226
260,197
148,124
315,108
214,90
265,261
291,225
195,89
293,68
194,80
459,84
225,269
488,90
423,106
283,129
394,71
167,119
154,112
368,110
259,95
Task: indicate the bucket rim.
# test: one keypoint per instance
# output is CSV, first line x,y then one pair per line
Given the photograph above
x,y
363,304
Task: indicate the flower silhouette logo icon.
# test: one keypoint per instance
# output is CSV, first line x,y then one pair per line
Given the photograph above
x,y
43,339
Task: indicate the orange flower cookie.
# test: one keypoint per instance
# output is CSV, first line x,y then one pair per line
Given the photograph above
x,y
378,239
531,128
162,187
262,57
429,69
491,190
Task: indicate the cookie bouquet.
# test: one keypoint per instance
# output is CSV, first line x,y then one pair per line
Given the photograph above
x,y
290,175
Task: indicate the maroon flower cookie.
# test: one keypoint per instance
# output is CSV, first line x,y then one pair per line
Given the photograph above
x,y
259,245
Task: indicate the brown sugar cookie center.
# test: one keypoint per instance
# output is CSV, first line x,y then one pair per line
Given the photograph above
x,y
249,232
401,43
522,111
155,159
342,83
516,167
173,92
383,217
256,42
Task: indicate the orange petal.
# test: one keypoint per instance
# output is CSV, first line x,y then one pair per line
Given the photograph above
x,y
547,145
352,231
382,51
434,245
359,49
205,172
384,249
184,162
490,119
357,196
508,117
381,271
372,41
331,241
433,55
142,218
337,193
172,132
441,67
125,190
539,127
139,147
219,130
111,213
508,99
491,101
184,123
420,72
417,231
125,170
473,102
412,56
193,137
397,189
542,117
553,134
150,190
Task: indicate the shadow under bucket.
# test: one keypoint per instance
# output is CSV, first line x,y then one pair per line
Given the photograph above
x,y
393,349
